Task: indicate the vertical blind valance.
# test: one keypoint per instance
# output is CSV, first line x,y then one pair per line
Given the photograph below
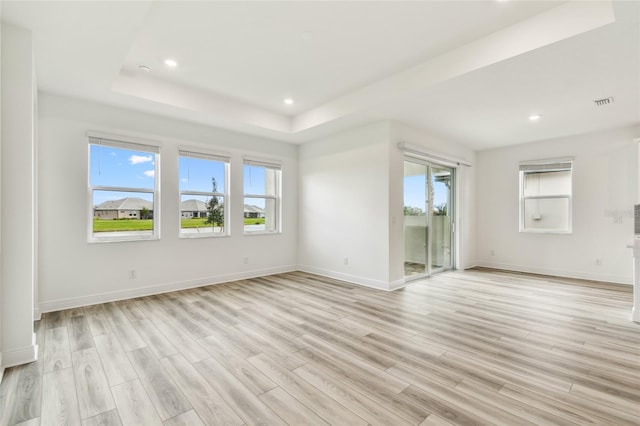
x,y
421,153
204,156
123,144
260,162
546,166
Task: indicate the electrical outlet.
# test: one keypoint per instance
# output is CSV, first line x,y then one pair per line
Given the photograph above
x,y
133,274
492,252
346,260
599,262
246,260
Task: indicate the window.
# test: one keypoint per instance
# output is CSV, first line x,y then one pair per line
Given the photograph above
x,y
545,196
261,197
123,193
203,194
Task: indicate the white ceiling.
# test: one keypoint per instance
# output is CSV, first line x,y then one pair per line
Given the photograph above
x,y
468,71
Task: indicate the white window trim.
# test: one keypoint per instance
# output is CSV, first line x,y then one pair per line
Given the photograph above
x,y
195,153
95,138
549,165
268,164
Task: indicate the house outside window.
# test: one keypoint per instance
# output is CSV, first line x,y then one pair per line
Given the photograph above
x,y
262,196
123,190
204,194
546,196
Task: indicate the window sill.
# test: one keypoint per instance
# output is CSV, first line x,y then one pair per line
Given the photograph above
x,y
195,235
546,231
262,233
122,239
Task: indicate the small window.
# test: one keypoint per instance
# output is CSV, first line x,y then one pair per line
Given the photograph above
x,y
123,194
545,196
203,194
261,197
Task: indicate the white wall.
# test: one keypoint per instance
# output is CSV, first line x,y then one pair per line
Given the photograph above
x,y
74,273
343,206
351,203
604,190
464,196
17,248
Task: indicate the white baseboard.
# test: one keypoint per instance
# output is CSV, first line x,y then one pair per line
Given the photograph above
x,y
353,279
395,285
616,279
76,302
37,315
19,356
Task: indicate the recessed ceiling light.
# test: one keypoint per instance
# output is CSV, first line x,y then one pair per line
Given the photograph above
x,y
288,101
144,68
171,63
534,117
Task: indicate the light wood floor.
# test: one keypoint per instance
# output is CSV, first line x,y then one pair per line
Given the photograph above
x,y
474,347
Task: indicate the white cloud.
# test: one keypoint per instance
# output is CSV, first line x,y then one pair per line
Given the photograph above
x,y
138,159
150,173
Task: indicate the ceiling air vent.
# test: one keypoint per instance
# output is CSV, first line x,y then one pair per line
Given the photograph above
x,y
604,101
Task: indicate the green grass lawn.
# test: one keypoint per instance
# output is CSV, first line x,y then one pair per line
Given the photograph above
x,y
147,224
199,223
122,225
194,223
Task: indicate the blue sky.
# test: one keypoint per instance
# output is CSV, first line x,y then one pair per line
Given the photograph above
x,y
414,192
120,167
254,180
134,169
254,184
195,174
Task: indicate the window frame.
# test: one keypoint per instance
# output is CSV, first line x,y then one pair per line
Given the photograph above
x,y
203,155
545,166
131,144
277,197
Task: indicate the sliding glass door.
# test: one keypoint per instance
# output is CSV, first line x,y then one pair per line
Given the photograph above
x,y
428,213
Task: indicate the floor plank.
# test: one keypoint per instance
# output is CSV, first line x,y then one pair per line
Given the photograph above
x,y
209,405
117,367
60,406
57,353
165,395
108,418
80,336
290,409
156,341
97,320
190,418
249,407
320,402
21,395
94,395
134,405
